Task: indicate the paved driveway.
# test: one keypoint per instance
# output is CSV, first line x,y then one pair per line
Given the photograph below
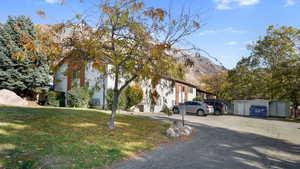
x,y
226,142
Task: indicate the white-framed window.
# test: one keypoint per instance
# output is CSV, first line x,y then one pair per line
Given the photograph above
x,y
191,90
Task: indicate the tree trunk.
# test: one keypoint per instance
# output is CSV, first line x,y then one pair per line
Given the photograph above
x,y
296,104
115,102
114,109
104,94
294,100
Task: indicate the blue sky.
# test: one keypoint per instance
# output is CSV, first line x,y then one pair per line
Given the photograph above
x,y
227,25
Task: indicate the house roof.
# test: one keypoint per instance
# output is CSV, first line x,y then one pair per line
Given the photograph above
x,y
188,84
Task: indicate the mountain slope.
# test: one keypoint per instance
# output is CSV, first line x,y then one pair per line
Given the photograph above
x,y
202,66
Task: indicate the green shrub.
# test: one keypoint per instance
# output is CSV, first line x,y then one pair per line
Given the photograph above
x,y
78,97
134,95
52,98
198,98
167,111
109,99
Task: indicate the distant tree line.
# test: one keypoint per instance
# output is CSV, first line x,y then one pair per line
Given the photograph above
x,y
272,71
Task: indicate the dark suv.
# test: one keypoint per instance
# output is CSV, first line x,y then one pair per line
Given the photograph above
x,y
220,106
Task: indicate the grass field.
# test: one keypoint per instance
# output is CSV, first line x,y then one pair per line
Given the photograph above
x,y
72,138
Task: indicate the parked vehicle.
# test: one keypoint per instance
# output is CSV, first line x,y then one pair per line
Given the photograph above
x,y
194,107
211,109
220,107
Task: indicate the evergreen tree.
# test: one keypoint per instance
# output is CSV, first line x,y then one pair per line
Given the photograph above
x,y
23,66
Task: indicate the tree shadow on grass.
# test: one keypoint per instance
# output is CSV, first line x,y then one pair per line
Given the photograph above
x,y
67,138
214,147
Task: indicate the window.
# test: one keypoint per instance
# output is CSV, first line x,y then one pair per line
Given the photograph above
x,y
182,88
191,90
76,78
188,103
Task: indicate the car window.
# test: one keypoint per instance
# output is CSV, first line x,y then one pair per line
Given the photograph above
x,y
200,103
197,103
188,103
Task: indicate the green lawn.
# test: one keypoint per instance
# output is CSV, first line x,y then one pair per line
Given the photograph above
x,y
72,138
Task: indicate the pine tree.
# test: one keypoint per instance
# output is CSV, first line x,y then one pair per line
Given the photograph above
x,y
23,67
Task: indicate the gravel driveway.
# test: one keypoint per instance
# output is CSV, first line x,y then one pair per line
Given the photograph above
x,y
226,142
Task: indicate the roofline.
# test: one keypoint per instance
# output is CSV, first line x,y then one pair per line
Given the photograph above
x,y
188,84
202,91
180,81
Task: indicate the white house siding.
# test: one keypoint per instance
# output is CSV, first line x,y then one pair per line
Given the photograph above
x,y
167,92
97,83
93,78
111,79
192,93
166,95
61,81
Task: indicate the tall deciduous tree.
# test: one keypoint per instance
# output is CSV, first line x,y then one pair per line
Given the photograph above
x,y
137,42
279,54
272,69
215,84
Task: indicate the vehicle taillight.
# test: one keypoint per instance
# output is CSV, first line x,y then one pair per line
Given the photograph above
x,y
222,107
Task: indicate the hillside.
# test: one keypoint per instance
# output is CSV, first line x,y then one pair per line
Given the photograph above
x,y
201,66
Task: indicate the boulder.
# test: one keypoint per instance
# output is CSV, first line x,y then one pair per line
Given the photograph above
x,y
177,130
188,127
8,97
171,132
186,131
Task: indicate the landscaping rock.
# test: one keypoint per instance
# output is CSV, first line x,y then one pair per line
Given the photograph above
x,y
8,97
171,132
177,129
188,127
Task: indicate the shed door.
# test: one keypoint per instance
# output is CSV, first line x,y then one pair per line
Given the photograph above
x,y
240,108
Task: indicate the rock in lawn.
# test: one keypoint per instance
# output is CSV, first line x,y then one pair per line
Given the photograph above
x,y
186,131
171,132
177,130
8,97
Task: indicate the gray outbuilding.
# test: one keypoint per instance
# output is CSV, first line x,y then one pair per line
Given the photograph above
x,y
261,108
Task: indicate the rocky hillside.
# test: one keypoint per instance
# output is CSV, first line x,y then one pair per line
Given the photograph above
x,y
201,66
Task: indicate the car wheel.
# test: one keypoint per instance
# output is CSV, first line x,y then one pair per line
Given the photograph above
x,y
200,113
217,112
176,111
